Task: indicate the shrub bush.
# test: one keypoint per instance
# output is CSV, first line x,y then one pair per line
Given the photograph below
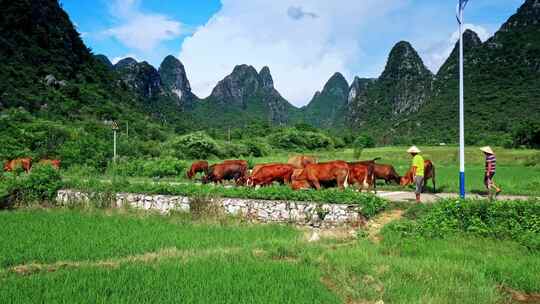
x,y
527,134
196,145
232,150
292,139
257,148
533,160
41,184
515,220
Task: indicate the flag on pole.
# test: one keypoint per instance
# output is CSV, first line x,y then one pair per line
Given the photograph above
x,y
460,7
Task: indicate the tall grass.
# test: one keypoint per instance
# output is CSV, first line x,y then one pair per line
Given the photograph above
x,y
238,263
47,236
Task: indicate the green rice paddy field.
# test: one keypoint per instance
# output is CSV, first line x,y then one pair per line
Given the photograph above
x,y
125,256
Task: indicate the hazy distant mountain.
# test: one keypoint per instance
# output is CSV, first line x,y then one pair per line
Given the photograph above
x,y
243,96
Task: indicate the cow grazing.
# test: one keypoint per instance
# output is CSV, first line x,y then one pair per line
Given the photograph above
x,y
314,174
301,161
25,163
429,173
226,171
200,166
55,163
265,175
361,174
386,173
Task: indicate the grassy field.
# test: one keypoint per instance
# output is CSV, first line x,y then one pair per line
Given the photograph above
x,y
123,256
514,171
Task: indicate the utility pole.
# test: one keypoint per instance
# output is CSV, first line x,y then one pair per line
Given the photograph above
x,y
115,128
461,8
127,129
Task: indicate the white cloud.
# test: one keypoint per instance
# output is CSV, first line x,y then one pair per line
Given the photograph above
x,y
139,30
303,42
437,53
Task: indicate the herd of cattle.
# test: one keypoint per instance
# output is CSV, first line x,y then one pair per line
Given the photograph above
x,y
26,164
300,172
304,172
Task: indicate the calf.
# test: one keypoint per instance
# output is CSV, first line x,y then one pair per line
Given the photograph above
x,y
25,163
429,173
314,174
226,171
264,175
362,175
200,166
387,173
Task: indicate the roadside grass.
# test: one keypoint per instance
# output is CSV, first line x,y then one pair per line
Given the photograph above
x,y
127,257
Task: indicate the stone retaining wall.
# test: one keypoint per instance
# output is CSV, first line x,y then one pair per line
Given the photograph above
x,y
301,213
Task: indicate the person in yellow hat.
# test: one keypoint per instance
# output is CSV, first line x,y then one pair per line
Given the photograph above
x,y
417,168
491,165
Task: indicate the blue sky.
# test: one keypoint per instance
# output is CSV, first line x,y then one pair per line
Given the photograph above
x,y
302,41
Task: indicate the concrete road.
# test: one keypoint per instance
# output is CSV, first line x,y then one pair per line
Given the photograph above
x,y
405,196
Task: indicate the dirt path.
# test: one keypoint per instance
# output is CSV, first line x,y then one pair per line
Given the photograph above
x,y
375,225
148,257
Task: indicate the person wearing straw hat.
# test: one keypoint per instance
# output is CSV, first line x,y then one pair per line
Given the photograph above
x,y
417,168
491,165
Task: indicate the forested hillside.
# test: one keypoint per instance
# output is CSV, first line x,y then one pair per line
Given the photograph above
x,y
57,99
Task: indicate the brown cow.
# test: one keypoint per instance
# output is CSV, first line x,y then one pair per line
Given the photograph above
x,y
362,175
226,171
429,173
301,161
55,163
25,163
259,166
265,175
387,173
200,166
315,174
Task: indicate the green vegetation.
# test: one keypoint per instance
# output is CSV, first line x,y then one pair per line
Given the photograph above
x,y
62,255
40,185
515,220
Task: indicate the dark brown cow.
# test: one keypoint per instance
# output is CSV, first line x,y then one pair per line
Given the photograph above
x,y
55,163
361,174
429,173
200,166
315,174
265,175
226,171
25,163
301,161
387,173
